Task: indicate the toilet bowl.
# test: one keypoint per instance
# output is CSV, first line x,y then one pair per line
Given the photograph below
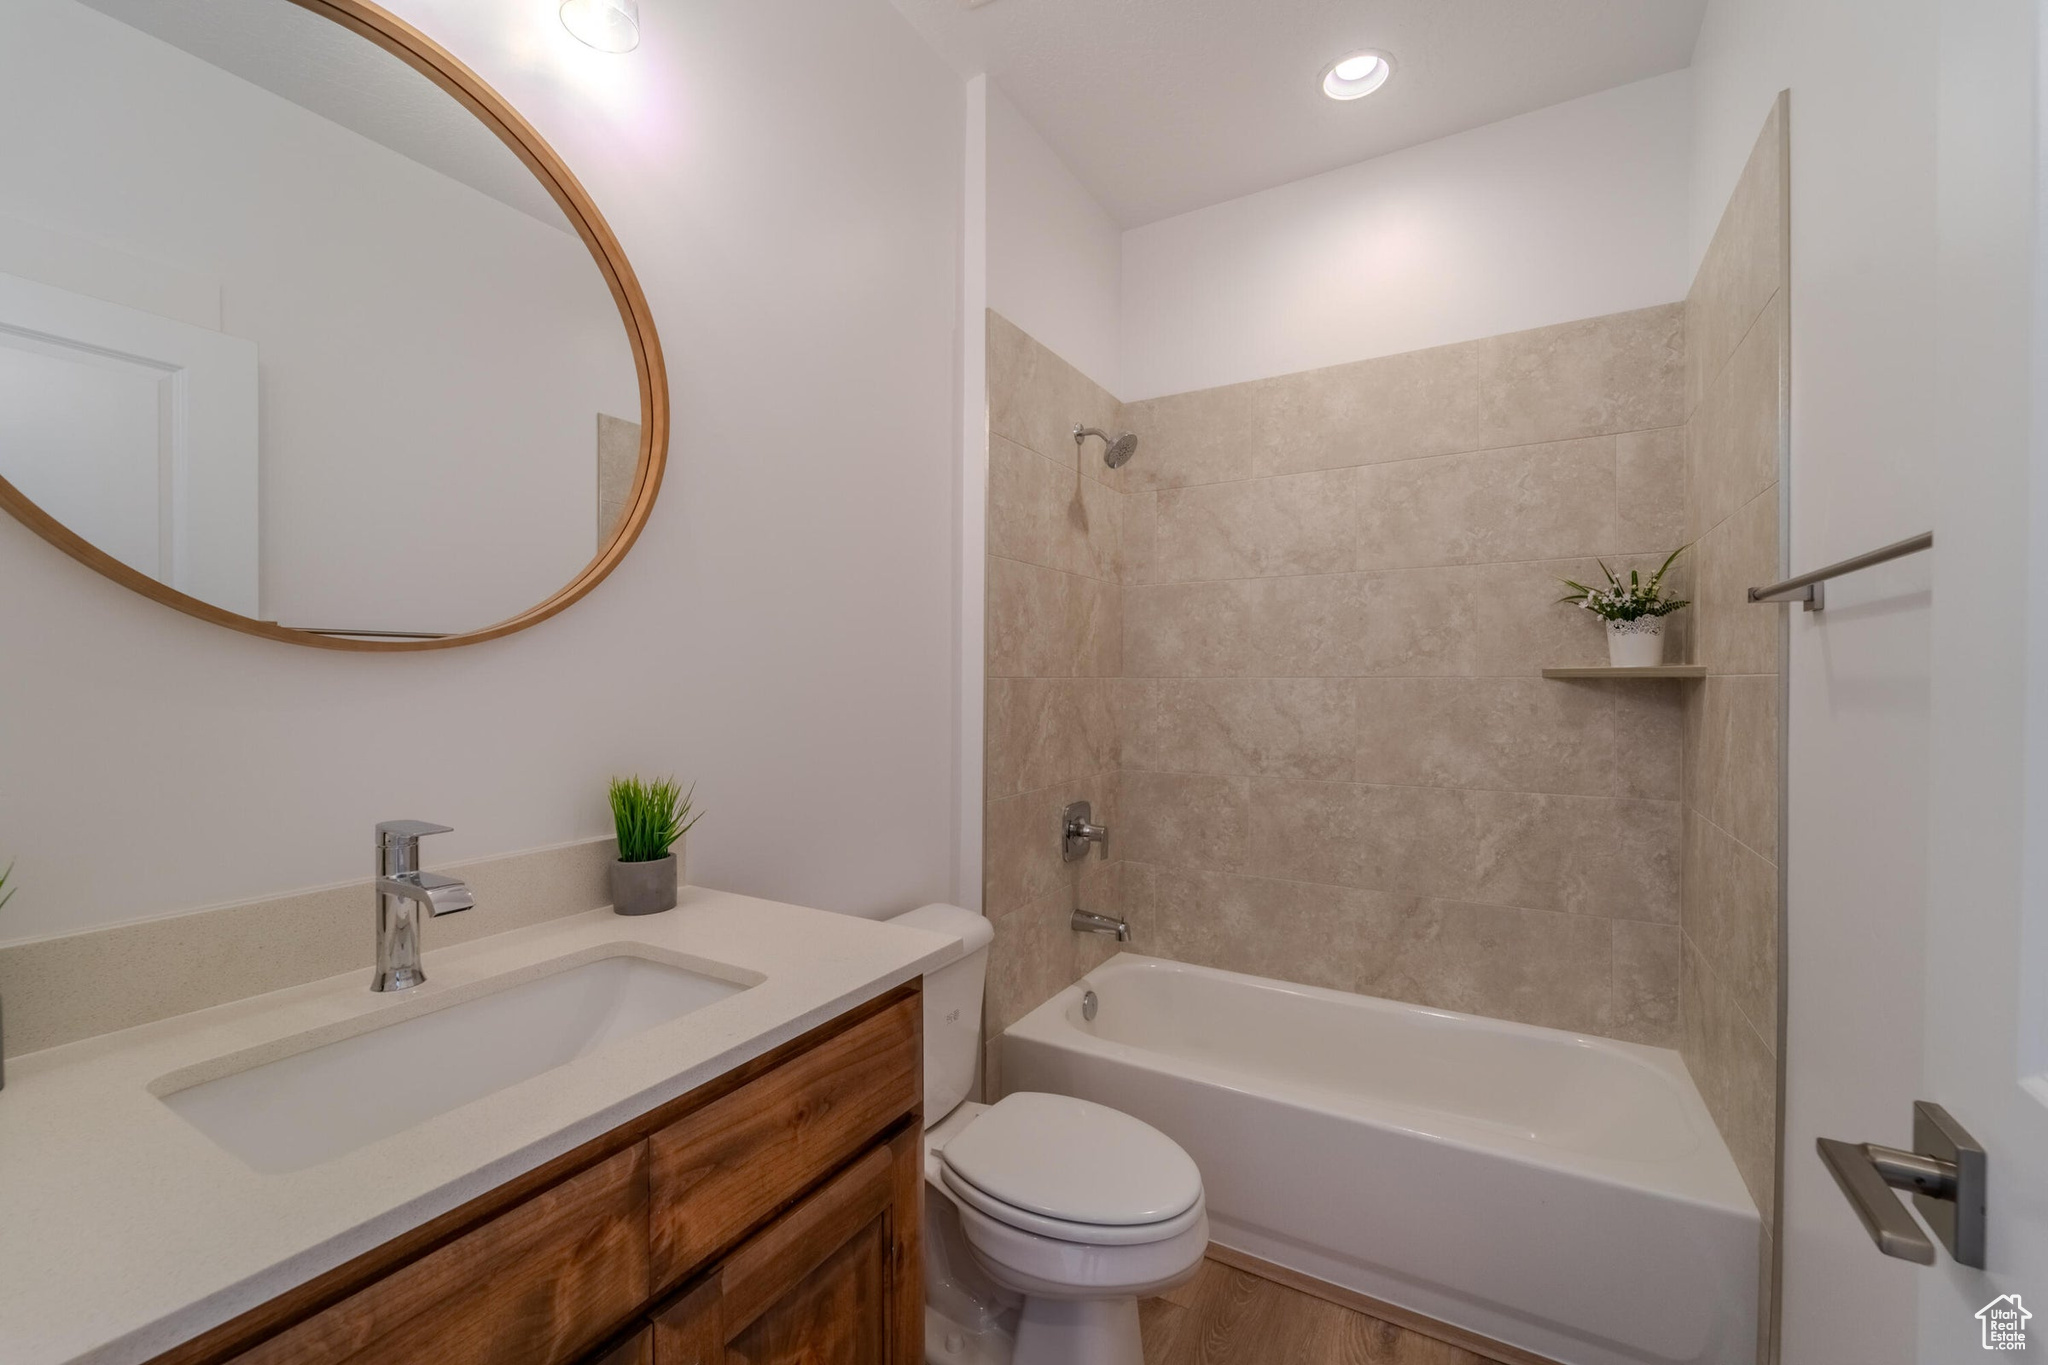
x,y
1047,1217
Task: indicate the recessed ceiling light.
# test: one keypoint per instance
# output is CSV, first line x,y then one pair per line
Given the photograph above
x,y
1357,76
607,25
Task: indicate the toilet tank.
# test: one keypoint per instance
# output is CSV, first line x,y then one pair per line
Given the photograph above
x,y
952,1005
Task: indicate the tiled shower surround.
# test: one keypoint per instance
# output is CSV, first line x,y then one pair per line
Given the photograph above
x,y
1293,653
1341,765
1738,385
1325,744
1055,651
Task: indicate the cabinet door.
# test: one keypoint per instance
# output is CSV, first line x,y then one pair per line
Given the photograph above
x,y
832,1282
724,1170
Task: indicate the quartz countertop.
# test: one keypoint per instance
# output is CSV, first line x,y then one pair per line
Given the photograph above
x,y
125,1231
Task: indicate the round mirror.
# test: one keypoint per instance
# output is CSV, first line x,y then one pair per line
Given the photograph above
x,y
304,331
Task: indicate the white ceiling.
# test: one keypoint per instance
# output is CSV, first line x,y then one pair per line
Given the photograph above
x,y
1162,106
346,79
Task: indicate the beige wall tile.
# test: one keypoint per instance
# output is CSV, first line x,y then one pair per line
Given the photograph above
x,y
1737,635
1028,621
1521,734
1190,820
1336,937
1590,856
1735,435
1743,266
1046,513
1535,967
1019,502
1207,436
1532,966
1736,1075
1731,916
1045,731
1525,502
1646,971
1649,491
1055,651
1027,962
1095,625
1596,377
1586,855
1327,832
1311,626
1299,524
1036,399
1274,727
1649,739
1732,766
1141,537
1027,745
1389,408
1088,525
1621,372
1736,324
1187,629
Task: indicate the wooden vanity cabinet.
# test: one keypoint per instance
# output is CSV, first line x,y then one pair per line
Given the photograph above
x,y
771,1215
832,1282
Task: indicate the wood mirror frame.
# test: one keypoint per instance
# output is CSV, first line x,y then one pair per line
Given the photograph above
x,y
434,62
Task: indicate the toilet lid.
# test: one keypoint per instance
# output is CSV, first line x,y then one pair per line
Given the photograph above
x,y
1074,1161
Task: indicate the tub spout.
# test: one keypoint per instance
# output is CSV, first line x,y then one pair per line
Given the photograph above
x,y
1085,923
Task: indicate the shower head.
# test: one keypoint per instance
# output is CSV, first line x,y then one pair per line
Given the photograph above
x,y
1121,448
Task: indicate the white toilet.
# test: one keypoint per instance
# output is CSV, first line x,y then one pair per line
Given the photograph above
x,y
1046,1218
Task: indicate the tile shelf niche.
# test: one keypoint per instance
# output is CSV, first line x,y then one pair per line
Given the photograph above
x,y
1660,671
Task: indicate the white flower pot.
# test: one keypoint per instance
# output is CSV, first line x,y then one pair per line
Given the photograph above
x,y
1636,644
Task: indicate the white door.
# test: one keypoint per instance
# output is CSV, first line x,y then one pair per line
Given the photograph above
x,y
1985,1050
138,433
1950,1004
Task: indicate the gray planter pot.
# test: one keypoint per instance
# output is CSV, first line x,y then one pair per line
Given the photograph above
x,y
644,888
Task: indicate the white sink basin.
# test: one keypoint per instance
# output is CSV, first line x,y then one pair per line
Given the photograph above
x,y
316,1105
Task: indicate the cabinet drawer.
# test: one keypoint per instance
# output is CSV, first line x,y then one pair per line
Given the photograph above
x,y
723,1170
539,1285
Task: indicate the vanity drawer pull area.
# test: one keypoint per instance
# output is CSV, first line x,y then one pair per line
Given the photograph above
x,y
726,1168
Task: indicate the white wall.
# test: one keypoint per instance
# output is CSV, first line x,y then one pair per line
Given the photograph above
x,y
1054,254
786,176
1564,213
1865,454
488,338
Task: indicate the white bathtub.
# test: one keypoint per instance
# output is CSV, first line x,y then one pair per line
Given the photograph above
x,y
1565,1194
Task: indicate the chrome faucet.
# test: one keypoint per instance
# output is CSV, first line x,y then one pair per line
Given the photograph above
x,y
403,892
1087,922
1079,830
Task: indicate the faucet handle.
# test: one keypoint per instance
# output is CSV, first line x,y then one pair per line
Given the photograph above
x,y
405,831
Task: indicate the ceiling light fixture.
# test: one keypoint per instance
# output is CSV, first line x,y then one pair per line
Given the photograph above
x,y
607,25
1357,76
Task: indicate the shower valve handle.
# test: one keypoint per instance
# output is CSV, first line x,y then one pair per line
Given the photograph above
x,y
1079,830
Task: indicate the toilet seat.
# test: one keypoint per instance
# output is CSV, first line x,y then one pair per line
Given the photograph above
x,y
1065,1230
1073,1170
